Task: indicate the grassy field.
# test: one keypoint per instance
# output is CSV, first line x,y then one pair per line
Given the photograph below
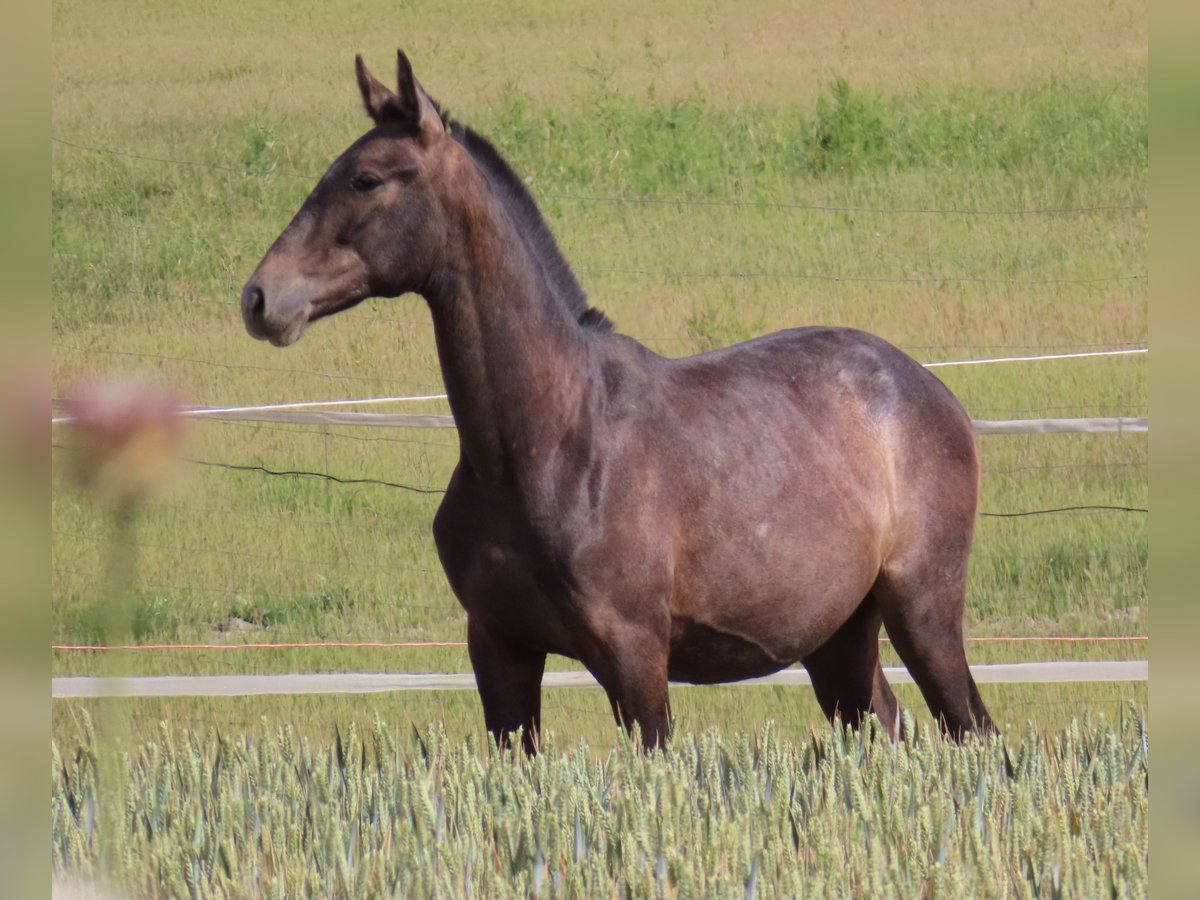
x,y
386,811
969,182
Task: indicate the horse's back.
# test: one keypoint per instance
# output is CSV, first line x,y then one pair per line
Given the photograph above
x,y
838,387
816,361
802,407
893,439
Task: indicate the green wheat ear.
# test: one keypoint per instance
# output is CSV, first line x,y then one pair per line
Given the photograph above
x,y
741,814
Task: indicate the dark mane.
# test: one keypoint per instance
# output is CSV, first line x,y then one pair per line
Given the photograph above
x,y
532,226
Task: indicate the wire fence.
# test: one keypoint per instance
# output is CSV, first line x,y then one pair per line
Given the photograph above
x,y
428,645
1134,405
1123,415
288,413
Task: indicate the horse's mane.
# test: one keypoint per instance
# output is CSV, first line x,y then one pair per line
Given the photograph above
x,y
533,228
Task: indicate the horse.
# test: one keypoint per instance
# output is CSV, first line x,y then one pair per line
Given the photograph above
x,y
704,519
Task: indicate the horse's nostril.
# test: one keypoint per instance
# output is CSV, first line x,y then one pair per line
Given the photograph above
x,y
255,303
258,303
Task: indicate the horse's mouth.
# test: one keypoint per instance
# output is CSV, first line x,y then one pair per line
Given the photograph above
x,y
323,312
278,303
290,334
279,332
294,329
284,333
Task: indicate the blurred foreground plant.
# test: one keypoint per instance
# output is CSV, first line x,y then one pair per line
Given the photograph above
x,y
125,435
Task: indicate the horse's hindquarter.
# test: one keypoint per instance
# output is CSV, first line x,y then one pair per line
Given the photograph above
x,y
786,456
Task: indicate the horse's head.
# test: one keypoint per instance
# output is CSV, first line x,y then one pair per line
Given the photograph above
x,y
372,225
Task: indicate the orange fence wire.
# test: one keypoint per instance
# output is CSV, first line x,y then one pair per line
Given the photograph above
x,y
393,645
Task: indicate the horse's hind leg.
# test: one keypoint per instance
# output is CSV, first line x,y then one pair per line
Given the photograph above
x,y
635,678
846,675
630,663
922,607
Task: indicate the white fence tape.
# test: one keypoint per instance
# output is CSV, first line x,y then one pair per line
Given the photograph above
x,y
317,412
320,417
78,686
307,404
1042,358
411,420
1061,426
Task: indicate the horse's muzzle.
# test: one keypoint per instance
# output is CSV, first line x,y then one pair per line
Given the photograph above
x,y
281,325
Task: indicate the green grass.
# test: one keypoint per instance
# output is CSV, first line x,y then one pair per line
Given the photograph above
x,y
236,554
386,811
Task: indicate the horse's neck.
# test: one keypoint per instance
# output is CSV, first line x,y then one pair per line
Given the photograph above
x,y
514,362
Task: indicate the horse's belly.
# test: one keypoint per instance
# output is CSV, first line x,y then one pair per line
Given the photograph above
x,y
701,654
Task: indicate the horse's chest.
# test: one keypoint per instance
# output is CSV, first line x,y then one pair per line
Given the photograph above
x,y
502,573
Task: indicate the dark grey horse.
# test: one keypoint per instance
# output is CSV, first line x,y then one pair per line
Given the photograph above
x,y
705,519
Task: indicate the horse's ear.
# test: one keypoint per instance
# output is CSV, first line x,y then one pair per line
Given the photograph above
x,y
381,104
417,107
409,105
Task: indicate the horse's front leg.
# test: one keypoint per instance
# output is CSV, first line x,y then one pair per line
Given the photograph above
x,y
509,679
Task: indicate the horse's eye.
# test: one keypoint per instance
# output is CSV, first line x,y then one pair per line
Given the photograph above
x,y
366,181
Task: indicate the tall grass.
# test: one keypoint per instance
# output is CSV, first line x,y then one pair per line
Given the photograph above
x,y
414,814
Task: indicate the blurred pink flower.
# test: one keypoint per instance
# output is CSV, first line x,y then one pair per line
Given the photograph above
x,y
127,436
